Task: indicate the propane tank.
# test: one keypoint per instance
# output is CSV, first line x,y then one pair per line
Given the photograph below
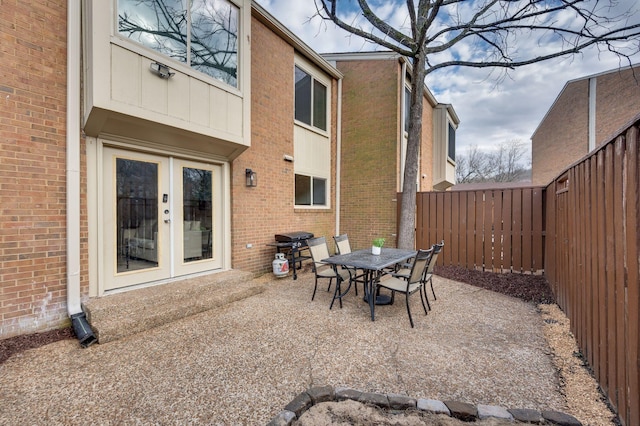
x,y
280,266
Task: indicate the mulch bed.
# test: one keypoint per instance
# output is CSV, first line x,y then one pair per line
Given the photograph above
x,y
14,345
530,288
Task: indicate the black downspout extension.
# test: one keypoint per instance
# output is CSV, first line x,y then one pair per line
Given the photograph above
x,y
83,330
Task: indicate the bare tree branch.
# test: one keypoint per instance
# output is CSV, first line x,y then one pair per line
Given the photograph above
x,y
482,34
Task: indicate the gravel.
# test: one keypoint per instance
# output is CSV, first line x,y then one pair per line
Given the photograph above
x,y
243,363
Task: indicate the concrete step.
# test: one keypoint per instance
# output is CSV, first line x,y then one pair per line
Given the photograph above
x,y
119,315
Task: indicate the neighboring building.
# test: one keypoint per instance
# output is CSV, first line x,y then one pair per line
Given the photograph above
x,y
127,159
375,109
586,113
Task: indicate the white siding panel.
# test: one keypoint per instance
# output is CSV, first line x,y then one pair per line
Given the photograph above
x,y
234,120
199,102
219,108
312,153
154,95
125,76
178,106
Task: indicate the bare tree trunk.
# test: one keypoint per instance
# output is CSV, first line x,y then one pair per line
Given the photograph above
x,y
406,228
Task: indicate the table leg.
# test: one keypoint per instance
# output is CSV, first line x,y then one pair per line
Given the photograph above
x,y
369,289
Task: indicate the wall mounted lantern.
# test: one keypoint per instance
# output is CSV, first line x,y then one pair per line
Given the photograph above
x,y
251,177
161,70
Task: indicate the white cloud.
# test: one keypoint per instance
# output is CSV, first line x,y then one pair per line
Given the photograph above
x,y
494,107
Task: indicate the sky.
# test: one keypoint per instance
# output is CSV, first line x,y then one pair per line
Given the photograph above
x,y
493,108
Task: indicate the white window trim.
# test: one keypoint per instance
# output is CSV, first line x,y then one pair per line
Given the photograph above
x,y
318,75
315,75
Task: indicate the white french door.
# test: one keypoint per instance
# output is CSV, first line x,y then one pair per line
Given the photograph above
x,y
161,218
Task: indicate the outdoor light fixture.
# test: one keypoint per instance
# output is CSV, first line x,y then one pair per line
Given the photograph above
x,y
161,70
251,177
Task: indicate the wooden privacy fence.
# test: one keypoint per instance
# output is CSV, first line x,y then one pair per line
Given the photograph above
x,y
492,230
592,264
583,231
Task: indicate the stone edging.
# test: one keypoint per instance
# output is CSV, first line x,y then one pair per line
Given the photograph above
x,y
460,410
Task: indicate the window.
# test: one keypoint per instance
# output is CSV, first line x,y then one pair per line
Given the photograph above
x,y
200,33
310,191
407,108
310,100
451,145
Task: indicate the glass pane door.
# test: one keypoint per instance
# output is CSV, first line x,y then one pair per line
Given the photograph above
x,y
137,214
134,219
198,219
197,214
160,218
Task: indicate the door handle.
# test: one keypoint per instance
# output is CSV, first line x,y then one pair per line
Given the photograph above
x,y
167,221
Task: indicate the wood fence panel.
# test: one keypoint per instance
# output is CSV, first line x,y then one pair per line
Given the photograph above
x,y
505,220
516,230
583,246
440,221
452,255
471,230
479,231
619,304
495,233
423,217
487,226
460,229
550,237
527,221
632,232
537,247
433,217
602,294
594,355
610,272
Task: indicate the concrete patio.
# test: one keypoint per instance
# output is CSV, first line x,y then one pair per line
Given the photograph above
x,y
242,349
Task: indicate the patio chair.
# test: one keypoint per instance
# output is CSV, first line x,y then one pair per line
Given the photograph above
x,y
344,247
428,275
319,251
414,282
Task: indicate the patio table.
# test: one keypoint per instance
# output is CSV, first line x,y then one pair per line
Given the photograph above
x,y
373,265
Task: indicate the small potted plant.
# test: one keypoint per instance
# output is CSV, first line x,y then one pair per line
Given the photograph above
x,y
377,245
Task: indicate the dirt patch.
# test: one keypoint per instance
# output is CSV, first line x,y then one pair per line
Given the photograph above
x,y
355,413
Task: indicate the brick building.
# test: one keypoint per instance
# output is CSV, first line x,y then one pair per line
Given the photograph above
x,y
586,113
122,166
375,109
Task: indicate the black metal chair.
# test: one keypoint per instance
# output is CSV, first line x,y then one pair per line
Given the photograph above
x,y
411,283
344,247
319,251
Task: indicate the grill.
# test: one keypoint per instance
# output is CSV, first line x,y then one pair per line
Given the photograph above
x,y
299,238
292,243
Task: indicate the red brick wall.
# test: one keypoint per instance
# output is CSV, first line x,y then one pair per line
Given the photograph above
x,y
617,102
32,166
370,151
562,137
425,169
260,212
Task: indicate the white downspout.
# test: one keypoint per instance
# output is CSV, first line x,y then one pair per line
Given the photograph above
x,y
74,308
338,153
